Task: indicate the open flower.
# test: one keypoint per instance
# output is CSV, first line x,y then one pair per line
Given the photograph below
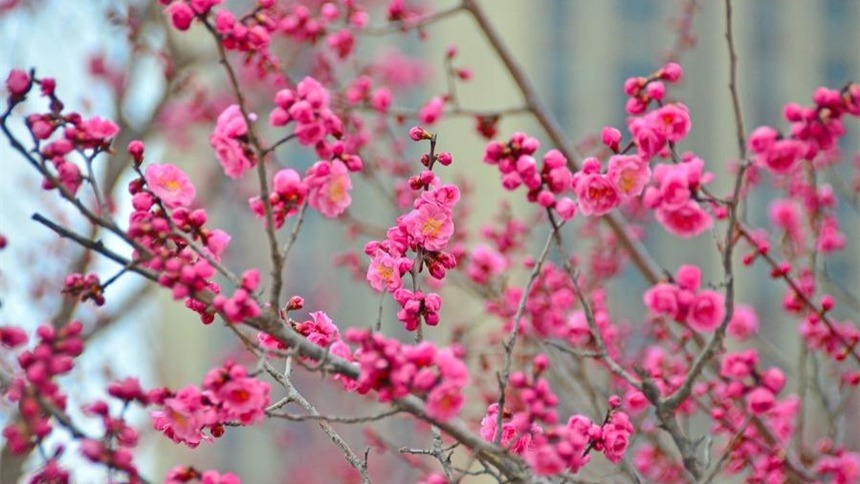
x,y
170,184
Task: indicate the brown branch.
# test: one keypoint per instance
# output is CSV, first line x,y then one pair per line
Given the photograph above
x,y
409,24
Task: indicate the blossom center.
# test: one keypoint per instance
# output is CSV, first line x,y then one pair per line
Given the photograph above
x,y
386,273
431,227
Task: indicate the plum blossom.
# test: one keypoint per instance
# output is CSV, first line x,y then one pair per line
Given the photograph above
x,y
229,140
630,174
170,184
596,193
328,187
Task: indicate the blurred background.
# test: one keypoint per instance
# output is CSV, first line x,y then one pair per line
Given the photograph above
x,y
577,53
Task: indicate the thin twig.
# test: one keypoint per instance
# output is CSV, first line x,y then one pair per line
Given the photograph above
x,y
511,341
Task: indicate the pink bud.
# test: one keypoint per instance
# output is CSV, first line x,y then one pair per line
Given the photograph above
x,y
180,14
135,149
671,72
827,303
566,208
418,133
655,90
611,137
760,401
773,379
444,158
18,83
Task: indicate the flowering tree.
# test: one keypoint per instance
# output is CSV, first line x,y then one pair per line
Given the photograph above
x,y
489,402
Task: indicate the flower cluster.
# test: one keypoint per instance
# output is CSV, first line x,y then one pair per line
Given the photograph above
x,y
328,185
599,193
77,134
228,396
813,130
231,144
305,25
549,309
361,91
36,388
745,390
485,264
517,429
177,243
554,448
643,90
183,474
288,193
85,287
682,301
516,162
183,12
119,454
672,196
395,370
241,304
426,230
308,106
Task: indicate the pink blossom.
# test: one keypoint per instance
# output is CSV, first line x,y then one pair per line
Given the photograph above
x,y
510,430
744,323
241,304
384,271
674,119
432,111
844,467
616,436
782,155
545,461
287,195
662,299
707,311
380,100
228,141
630,174
213,477
596,194
671,72
342,42
320,331
183,417
565,207
685,222
649,137
674,189
180,15
762,139
202,7
759,401
430,226
785,214
11,336
445,401
216,242
243,400
611,137
689,277
328,187
170,184
485,263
